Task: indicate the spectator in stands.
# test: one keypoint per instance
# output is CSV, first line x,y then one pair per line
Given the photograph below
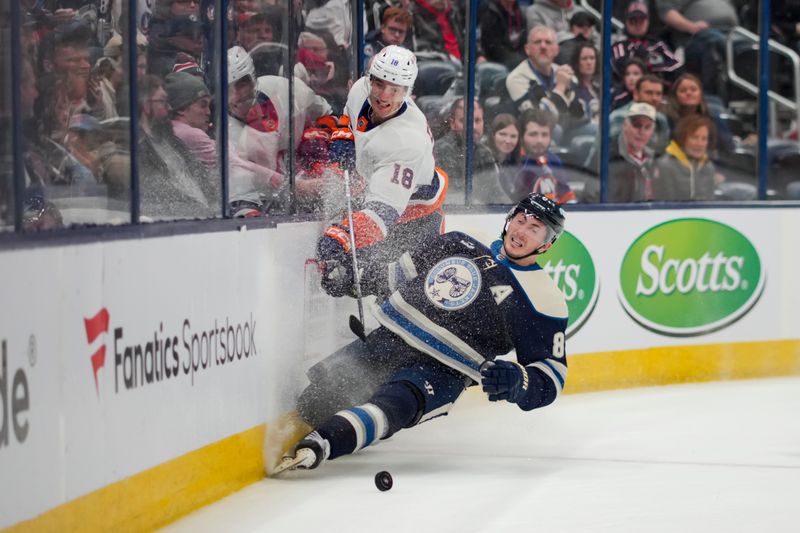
x,y
649,89
394,29
83,140
555,14
174,184
314,70
630,163
622,93
320,45
584,62
176,8
255,27
503,141
114,50
53,111
438,27
190,102
581,26
503,31
449,150
538,82
65,52
333,16
685,171
169,36
38,170
687,98
700,27
108,76
541,170
656,55
313,43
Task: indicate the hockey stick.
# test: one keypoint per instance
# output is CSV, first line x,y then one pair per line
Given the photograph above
x,y
356,324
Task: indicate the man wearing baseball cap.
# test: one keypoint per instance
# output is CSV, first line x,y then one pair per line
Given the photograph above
x,y
631,161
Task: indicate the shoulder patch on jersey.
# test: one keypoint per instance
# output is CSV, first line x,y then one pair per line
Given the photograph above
x,y
543,293
453,283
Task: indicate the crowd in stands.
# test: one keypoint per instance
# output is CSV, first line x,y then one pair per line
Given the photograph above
x,y
535,116
668,66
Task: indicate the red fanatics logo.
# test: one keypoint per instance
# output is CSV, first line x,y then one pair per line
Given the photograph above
x,y
94,327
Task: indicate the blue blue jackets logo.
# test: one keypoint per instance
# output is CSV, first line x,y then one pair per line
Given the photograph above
x,y
453,283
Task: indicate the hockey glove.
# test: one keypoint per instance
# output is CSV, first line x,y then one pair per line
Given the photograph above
x,y
333,253
343,152
503,380
342,146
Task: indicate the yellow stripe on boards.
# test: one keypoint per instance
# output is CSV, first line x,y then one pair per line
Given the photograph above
x,y
666,365
162,494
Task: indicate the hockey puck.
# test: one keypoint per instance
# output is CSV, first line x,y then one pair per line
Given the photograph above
x,y
383,480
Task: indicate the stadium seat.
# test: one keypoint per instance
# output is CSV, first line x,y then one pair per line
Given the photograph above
x,y
737,191
432,105
487,75
435,77
269,58
784,160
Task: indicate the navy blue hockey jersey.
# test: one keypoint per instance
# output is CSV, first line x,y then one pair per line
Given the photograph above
x,y
463,303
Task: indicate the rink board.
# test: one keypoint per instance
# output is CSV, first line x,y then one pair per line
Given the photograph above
x,y
137,376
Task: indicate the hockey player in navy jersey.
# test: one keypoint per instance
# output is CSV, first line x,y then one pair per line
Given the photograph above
x,y
446,311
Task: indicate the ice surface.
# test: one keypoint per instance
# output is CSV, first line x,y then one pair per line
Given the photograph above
x,y
717,457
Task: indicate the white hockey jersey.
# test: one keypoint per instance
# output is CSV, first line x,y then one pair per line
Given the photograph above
x,y
396,159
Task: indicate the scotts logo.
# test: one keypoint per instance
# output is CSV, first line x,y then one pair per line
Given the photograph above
x,y
569,264
690,276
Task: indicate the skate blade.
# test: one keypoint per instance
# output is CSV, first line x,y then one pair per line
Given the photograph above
x,y
303,459
280,438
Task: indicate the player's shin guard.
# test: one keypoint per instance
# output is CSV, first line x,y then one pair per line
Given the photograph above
x,y
354,428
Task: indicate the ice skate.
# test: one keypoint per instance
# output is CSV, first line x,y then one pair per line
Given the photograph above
x,y
308,454
282,436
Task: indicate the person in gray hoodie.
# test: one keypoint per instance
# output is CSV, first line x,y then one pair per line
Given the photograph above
x,y
554,14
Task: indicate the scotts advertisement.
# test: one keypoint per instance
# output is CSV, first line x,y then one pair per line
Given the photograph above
x,y
690,276
569,264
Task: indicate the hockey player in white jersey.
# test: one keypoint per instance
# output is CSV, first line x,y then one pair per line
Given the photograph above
x,y
393,147
446,311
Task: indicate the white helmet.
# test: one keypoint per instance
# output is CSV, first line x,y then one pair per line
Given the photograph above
x,y
240,65
395,64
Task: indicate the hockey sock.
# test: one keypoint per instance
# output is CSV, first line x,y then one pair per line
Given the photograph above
x,y
394,406
354,428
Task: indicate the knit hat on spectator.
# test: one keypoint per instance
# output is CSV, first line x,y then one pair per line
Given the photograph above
x,y
251,17
637,9
641,109
184,89
186,63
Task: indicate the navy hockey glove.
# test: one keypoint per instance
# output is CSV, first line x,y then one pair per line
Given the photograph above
x,y
503,380
333,253
342,146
